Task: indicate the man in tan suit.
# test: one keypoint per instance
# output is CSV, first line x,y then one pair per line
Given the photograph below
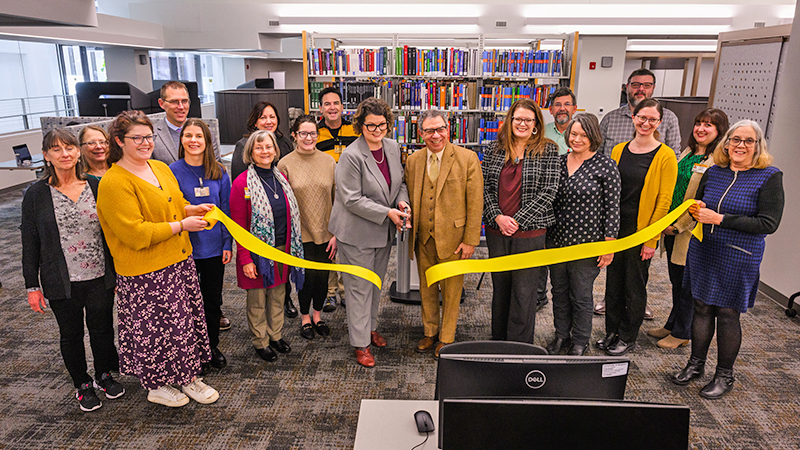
x,y
445,186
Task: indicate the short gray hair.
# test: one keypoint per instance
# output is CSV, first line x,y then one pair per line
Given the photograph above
x,y
432,114
260,136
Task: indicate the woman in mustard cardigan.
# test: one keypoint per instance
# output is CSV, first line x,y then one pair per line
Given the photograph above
x,y
163,337
648,171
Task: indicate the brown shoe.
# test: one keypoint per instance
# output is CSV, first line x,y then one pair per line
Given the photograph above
x,y
224,323
377,339
439,346
426,344
365,358
672,342
659,333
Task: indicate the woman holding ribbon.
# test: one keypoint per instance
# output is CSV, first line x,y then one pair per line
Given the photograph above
x,y
648,170
203,180
520,171
709,128
586,210
311,173
371,204
740,201
262,202
163,338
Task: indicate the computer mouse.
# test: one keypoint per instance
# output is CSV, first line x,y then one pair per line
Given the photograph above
x,y
424,421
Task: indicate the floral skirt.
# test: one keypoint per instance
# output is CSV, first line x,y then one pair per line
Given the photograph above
x,y
163,336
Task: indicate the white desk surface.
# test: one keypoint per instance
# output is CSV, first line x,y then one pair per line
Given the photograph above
x,y
390,424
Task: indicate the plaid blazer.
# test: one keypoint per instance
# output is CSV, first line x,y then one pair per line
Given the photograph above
x,y
540,175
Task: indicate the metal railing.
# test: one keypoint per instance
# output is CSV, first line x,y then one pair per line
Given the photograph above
x,y
20,114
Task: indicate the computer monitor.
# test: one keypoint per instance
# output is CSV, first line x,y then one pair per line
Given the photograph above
x,y
510,424
22,153
484,375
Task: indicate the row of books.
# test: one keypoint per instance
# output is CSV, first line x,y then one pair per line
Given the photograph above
x,y
436,62
464,128
436,94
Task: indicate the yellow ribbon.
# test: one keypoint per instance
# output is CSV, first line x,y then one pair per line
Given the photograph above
x,y
550,256
254,244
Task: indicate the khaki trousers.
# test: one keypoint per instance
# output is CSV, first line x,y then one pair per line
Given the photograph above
x,y
265,314
451,294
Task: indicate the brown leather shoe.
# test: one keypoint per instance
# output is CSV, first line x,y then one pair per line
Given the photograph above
x,y
377,339
438,349
224,323
365,358
659,333
672,342
426,344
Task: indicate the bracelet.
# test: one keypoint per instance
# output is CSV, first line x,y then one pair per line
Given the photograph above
x,y
33,289
181,222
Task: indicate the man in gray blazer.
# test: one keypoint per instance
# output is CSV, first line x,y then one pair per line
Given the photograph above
x,y
175,102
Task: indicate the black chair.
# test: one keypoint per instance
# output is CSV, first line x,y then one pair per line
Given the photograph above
x,y
492,347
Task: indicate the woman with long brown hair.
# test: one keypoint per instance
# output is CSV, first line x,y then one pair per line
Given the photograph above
x,y
520,171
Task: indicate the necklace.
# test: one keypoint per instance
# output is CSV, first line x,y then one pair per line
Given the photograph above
x,y
273,188
383,157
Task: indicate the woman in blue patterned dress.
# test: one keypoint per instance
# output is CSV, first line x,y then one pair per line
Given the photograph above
x,y
740,201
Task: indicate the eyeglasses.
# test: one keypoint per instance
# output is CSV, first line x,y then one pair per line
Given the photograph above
x,y
263,147
103,143
376,126
636,85
644,120
523,120
139,139
307,134
565,105
749,142
431,131
178,102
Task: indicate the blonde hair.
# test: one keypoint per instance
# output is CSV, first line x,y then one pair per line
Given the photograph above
x,y
260,136
761,158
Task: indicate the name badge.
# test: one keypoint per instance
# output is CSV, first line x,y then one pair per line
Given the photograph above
x,y
699,168
247,193
202,191
339,149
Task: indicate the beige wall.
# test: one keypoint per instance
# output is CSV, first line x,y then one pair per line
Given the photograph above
x,y
260,68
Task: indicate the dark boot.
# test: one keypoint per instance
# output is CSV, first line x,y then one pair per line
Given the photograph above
x,y
558,344
289,309
694,369
719,386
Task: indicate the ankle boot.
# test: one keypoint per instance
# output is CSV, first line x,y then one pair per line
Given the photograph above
x,y
720,385
694,368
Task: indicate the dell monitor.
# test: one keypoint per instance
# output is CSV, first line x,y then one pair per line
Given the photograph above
x,y
510,424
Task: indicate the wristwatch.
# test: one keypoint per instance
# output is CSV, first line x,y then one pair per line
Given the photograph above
x,y
33,289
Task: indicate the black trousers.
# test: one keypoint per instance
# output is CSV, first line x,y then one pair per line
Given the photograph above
x,y
626,293
98,302
680,317
573,289
211,273
514,292
315,286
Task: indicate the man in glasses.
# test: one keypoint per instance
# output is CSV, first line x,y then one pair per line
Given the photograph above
x,y
617,125
175,102
562,107
335,134
446,224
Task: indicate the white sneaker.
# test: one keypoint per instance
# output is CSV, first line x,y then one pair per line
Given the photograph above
x,y
201,392
167,396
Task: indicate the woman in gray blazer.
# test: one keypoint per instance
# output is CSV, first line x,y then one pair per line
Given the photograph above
x,y
371,203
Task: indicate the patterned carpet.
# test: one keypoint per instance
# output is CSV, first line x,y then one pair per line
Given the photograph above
x,y
310,398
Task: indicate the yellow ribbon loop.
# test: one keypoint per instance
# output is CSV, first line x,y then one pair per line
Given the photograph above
x,y
254,244
550,256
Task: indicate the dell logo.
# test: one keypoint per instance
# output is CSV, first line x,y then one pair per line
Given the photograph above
x,y
535,379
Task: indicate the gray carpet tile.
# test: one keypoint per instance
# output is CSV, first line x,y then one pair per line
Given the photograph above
x,y
309,399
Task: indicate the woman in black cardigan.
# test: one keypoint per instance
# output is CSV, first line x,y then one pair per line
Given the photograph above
x,y
63,247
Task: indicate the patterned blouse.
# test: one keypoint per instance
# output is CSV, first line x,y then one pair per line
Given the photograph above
x,y
587,204
81,238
